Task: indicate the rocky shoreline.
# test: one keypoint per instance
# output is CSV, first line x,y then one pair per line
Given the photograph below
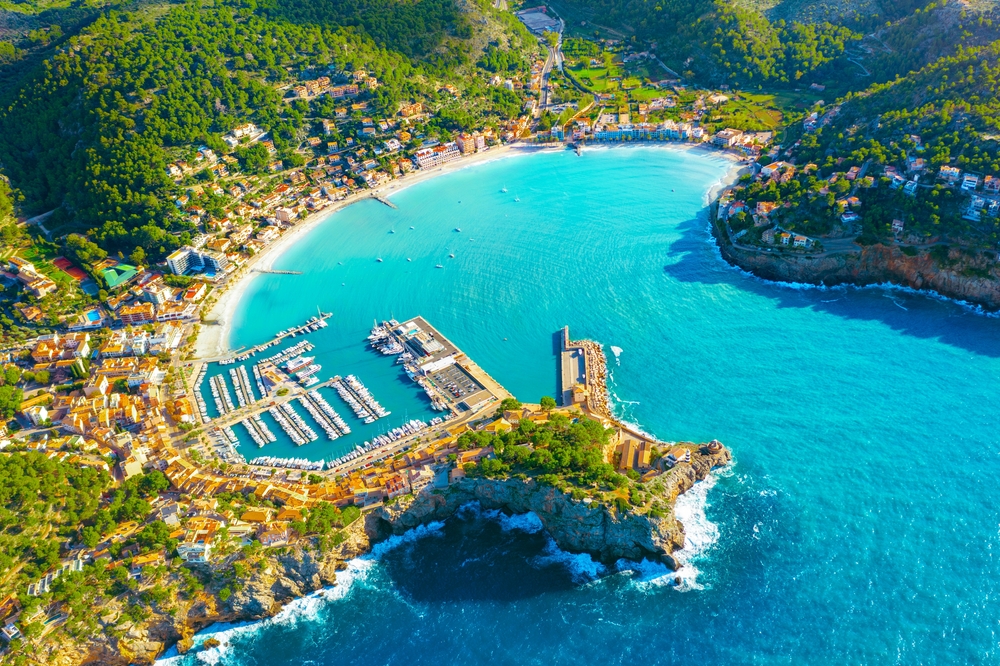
x,y
579,526
576,526
967,277
290,573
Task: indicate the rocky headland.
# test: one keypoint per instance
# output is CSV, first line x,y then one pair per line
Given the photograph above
x,y
286,574
956,273
579,526
283,576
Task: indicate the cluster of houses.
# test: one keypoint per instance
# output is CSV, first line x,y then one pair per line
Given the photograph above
x,y
120,390
619,127
25,272
349,88
983,192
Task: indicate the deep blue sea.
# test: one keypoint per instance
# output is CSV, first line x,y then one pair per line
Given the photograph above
x,y
857,524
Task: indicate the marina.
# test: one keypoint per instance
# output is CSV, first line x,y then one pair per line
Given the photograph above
x,y
220,393
286,384
288,463
312,324
241,384
331,430
358,398
451,380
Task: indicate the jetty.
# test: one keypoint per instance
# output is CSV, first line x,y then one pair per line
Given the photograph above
x,y
312,324
572,369
583,380
274,271
382,199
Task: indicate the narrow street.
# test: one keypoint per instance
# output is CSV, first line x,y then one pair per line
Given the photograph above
x,y
553,59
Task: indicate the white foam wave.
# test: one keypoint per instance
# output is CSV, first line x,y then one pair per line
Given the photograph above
x,y
700,534
617,351
304,609
648,572
434,528
582,567
524,522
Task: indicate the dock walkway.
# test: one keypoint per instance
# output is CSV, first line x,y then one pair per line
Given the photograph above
x,y
298,330
260,406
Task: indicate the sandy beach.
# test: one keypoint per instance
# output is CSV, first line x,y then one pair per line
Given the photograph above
x,y
213,337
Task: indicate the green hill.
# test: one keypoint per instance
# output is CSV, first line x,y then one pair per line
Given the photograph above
x,y
90,132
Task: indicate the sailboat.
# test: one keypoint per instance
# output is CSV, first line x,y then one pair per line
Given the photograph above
x,y
504,189
516,198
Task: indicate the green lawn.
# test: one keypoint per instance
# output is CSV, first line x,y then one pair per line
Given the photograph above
x,y
751,112
645,94
795,102
597,79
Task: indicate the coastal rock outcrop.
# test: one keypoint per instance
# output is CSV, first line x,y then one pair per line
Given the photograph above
x,y
290,574
592,527
970,277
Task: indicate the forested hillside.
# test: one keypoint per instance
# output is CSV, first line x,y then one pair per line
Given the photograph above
x,y
90,133
947,114
750,43
718,41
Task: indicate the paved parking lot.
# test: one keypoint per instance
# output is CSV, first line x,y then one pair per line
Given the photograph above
x,y
456,382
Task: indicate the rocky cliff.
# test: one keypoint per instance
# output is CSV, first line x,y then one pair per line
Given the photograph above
x,y
963,275
584,526
286,575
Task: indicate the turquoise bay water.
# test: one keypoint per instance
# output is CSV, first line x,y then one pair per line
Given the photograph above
x,y
857,525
